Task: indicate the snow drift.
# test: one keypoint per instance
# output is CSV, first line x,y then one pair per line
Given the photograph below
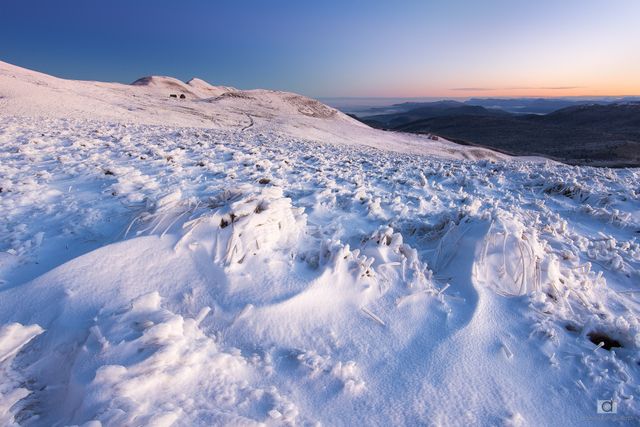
x,y
257,258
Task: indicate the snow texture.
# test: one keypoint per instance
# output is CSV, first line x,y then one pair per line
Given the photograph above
x,y
257,258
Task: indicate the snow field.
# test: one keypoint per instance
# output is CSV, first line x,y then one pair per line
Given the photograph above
x,y
197,276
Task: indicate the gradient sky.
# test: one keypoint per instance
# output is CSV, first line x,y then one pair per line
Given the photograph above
x,y
447,48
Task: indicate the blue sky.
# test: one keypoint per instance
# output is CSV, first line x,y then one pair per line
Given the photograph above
x,y
338,48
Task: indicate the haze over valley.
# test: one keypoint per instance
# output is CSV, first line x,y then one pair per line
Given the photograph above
x,y
597,131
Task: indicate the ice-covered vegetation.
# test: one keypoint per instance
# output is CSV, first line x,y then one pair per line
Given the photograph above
x,y
189,275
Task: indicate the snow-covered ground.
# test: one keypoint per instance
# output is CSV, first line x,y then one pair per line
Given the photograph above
x,y
255,257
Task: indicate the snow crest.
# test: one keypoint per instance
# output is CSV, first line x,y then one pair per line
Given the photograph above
x,y
145,365
13,338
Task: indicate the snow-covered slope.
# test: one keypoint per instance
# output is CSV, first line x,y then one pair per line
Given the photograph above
x,y
147,101
255,257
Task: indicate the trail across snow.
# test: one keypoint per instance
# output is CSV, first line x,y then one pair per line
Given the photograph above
x,y
236,275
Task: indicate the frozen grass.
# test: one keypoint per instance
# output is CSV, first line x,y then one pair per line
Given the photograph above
x,y
241,275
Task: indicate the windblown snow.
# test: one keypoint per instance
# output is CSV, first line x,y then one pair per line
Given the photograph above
x,y
258,258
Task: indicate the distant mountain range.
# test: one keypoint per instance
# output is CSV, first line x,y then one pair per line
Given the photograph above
x,y
577,132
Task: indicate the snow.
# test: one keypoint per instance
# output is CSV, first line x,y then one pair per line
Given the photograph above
x,y
258,258
13,337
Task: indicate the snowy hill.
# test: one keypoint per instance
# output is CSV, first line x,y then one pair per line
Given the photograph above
x,y
195,87
258,258
147,101
207,89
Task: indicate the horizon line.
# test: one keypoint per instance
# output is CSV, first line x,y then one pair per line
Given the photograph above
x,y
528,96
483,97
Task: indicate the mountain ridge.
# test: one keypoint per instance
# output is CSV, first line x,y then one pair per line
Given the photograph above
x,y
587,134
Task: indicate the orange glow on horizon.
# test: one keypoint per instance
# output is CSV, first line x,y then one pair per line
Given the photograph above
x,y
510,92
